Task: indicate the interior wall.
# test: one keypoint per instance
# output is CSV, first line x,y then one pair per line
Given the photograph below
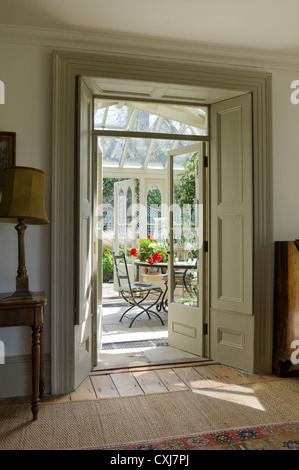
x,y
26,70
27,75
285,157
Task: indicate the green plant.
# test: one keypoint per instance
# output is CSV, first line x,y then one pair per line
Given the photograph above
x,y
182,240
186,301
185,191
108,189
150,251
107,265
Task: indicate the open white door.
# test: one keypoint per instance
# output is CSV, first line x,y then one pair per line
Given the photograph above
x,y
125,221
231,306
86,274
186,295
98,248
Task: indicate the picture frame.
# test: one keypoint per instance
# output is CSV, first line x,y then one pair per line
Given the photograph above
x,y
7,152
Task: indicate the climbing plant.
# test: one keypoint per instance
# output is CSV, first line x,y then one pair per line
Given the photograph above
x,y
185,189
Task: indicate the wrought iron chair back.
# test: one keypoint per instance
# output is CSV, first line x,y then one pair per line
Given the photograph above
x,y
135,293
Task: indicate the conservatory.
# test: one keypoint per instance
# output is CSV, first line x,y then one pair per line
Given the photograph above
x,y
137,140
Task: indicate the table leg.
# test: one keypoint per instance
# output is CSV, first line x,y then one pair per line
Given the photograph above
x,y
163,302
35,370
41,374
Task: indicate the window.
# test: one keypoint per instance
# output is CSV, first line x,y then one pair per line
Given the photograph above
x,y
120,123
154,201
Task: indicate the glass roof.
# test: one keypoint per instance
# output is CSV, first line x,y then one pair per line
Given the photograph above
x,y
170,125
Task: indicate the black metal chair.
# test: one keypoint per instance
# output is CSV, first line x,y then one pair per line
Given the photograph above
x,y
190,281
135,293
186,279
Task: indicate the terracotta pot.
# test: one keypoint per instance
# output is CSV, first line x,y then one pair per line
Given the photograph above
x,y
152,270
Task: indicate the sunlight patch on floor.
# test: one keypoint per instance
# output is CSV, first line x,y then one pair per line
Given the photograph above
x,y
233,393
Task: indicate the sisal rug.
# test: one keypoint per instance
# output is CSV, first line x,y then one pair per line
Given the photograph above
x,y
117,421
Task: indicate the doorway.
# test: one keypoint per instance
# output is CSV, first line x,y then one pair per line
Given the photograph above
x,y
231,275
146,193
194,77
122,346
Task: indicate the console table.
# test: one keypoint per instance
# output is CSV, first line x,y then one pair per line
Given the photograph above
x,y
28,312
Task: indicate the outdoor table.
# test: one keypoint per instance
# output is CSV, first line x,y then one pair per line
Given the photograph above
x,y
183,265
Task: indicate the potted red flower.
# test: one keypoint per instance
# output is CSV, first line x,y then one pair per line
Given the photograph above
x,y
150,251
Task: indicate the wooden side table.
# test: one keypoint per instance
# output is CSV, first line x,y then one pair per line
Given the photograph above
x,y
28,312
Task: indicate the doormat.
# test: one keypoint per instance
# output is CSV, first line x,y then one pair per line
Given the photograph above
x,y
114,304
120,303
137,344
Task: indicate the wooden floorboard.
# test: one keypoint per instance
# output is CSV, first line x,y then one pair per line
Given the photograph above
x,y
171,380
211,376
84,392
139,381
150,382
161,379
192,378
126,384
104,386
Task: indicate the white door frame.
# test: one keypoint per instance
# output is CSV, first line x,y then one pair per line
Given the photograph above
x,y
66,67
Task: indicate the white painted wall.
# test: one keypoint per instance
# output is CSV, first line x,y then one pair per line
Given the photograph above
x,y
26,70
285,158
27,74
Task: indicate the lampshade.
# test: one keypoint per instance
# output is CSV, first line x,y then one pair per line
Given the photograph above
x,y
23,202
23,196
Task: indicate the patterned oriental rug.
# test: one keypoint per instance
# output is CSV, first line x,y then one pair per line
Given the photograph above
x,y
269,437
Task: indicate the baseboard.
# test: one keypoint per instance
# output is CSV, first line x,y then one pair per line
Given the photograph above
x,y
15,376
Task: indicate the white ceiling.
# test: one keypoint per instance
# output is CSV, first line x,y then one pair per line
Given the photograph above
x,y
268,26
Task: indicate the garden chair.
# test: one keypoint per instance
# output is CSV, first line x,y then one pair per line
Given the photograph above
x,y
135,293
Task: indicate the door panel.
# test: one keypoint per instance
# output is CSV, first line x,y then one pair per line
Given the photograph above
x,y
232,232
84,229
186,262
98,249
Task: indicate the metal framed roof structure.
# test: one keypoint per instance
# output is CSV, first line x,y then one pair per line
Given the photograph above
x,y
136,134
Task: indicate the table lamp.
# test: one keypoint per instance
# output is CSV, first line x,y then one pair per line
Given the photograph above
x,y
23,201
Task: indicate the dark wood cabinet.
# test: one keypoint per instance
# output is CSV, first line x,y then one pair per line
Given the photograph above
x,y
286,308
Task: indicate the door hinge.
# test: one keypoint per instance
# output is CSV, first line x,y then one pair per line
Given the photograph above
x,y
205,246
205,328
94,339
205,162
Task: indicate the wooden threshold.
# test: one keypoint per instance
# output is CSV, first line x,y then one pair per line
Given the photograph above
x,y
143,368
